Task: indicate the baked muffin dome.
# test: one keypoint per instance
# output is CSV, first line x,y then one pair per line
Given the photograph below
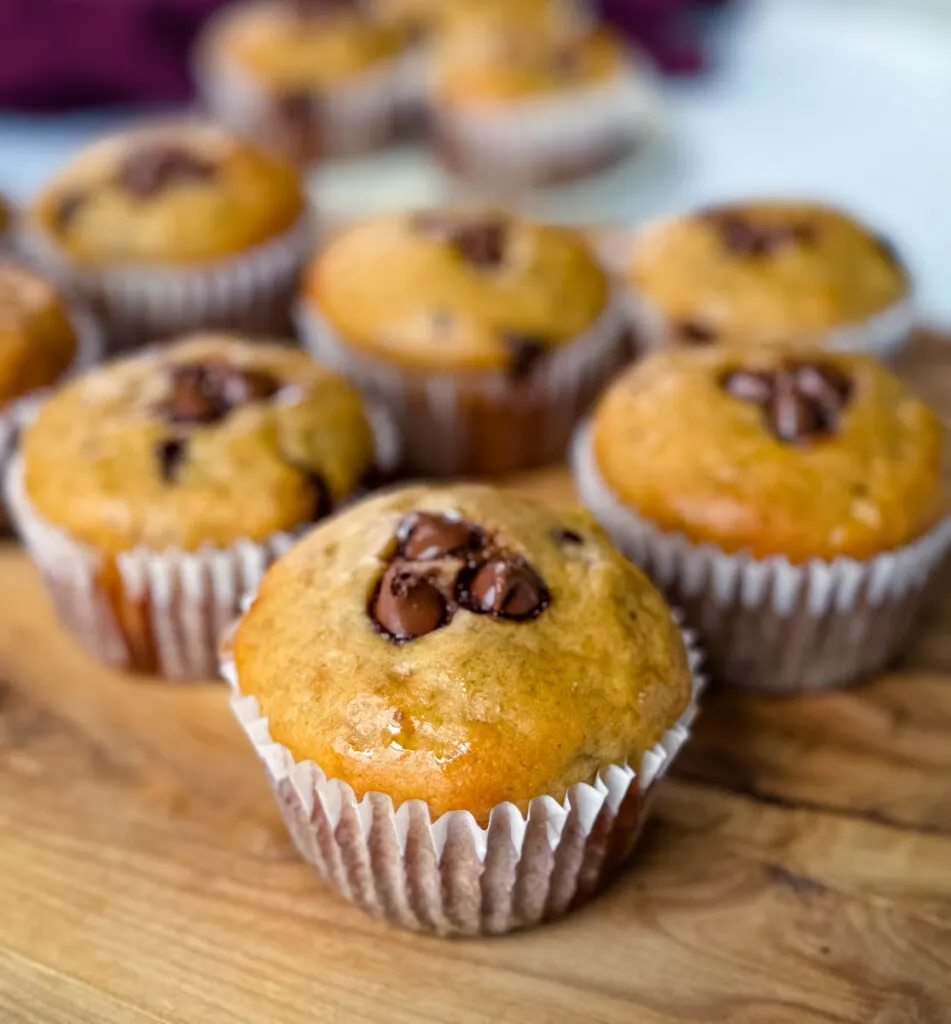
x,y
204,442
457,290
462,646
763,270
778,451
38,342
169,195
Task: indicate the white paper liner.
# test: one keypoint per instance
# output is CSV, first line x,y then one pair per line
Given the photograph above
x,y
452,876
767,624
552,139
354,116
16,415
251,292
882,334
174,604
454,423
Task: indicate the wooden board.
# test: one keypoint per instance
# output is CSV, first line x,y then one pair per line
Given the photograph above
x,y
798,868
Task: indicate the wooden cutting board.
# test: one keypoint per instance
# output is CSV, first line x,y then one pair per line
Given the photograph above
x,y
798,868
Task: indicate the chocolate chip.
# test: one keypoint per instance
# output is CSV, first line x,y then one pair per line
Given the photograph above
x,y
481,243
749,385
695,332
425,536
67,207
525,350
562,535
743,237
206,392
506,589
236,386
823,382
792,417
407,605
171,452
151,169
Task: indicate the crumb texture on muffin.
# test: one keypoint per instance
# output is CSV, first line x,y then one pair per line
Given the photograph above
x,y
763,271
456,289
204,442
168,195
37,340
516,653
780,451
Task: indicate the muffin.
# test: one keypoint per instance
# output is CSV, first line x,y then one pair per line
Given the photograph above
x,y
175,227
463,700
41,339
153,492
757,272
485,335
526,100
793,506
309,79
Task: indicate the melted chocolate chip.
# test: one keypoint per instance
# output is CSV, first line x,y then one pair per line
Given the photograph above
x,y
147,171
749,385
525,350
506,589
481,243
791,415
67,207
823,382
743,237
206,392
696,333
407,605
425,536
235,386
562,535
171,452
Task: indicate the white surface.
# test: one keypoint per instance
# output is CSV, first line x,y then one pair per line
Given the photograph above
x,y
841,101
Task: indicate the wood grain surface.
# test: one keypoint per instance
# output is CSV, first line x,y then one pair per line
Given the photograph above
x,y
798,868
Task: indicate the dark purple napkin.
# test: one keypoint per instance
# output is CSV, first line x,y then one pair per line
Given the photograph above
x,y
57,54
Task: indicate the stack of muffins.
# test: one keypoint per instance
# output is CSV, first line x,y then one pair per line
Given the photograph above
x,y
463,699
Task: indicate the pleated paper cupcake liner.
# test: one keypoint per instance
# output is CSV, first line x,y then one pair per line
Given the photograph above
x,y
767,624
482,422
16,415
349,118
450,875
251,292
156,612
883,334
552,140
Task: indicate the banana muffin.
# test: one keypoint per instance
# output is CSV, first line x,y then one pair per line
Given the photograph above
x,y
175,227
755,272
793,505
534,98
310,78
485,334
152,492
453,658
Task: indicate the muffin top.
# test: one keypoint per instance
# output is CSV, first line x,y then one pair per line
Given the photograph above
x,y
170,194
777,451
305,45
462,646
452,289
763,270
37,339
205,441
486,63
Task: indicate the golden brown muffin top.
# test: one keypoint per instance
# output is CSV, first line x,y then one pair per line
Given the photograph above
x,y
205,441
172,194
37,340
763,270
290,47
776,451
457,290
487,64
462,646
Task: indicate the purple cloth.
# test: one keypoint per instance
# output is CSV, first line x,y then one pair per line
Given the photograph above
x,y
57,54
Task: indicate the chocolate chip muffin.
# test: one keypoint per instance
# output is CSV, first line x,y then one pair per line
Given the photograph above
x,y
755,272
485,334
455,658
312,78
153,492
534,98
174,227
793,505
